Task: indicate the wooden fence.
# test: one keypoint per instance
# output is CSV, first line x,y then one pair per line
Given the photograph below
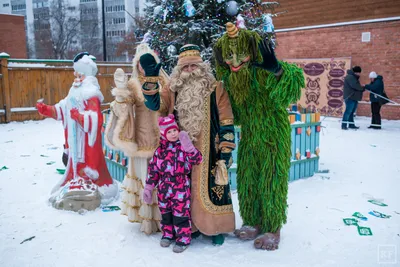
x,y
24,81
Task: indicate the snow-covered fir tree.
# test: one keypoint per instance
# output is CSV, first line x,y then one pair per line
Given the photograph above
x,y
171,24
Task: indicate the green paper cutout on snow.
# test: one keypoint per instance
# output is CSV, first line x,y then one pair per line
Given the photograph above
x,y
364,230
61,171
360,216
50,163
110,208
379,215
350,221
377,202
4,168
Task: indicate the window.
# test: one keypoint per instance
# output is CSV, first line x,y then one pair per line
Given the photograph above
x,y
118,20
115,33
136,9
6,5
86,1
119,8
71,8
41,26
89,11
18,7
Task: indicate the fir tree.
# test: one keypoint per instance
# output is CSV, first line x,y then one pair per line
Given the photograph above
x,y
174,23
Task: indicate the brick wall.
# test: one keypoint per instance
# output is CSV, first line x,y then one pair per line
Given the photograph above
x,y
311,12
12,36
381,54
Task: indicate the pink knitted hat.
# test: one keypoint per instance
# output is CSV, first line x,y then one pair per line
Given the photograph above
x,y
166,124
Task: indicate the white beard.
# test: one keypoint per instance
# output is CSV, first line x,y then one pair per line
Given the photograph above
x,y
76,84
193,90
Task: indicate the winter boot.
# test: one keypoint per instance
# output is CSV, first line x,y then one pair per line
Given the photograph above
x,y
196,234
353,126
165,242
179,248
344,126
218,240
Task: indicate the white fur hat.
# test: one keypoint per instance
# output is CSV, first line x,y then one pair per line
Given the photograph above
x,y
85,65
372,75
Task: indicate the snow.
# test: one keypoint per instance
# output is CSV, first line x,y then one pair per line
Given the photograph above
x,y
28,65
362,164
22,109
3,54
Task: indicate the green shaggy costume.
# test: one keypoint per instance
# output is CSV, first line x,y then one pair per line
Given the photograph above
x,y
260,93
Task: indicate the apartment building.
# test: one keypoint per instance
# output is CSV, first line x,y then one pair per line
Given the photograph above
x,y
118,22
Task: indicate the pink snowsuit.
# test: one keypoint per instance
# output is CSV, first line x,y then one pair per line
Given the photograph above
x,y
170,169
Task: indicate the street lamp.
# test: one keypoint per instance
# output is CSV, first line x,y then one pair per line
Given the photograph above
x,y
104,31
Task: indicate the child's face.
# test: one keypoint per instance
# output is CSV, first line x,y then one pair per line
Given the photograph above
x,y
172,135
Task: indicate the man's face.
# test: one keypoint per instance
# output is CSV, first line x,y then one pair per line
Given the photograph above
x,y
79,77
190,67
357,73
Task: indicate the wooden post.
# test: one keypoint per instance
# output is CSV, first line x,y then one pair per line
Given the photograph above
x,y
6,85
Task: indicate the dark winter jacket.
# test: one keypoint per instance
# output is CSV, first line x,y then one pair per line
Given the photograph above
x,y
377,87
352,87
170,160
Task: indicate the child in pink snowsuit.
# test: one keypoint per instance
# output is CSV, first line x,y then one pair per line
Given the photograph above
x,y
169,169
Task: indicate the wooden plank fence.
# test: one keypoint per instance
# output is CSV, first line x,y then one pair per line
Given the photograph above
x,y
24,81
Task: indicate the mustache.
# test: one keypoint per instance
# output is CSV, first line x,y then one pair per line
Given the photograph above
x,y
193,74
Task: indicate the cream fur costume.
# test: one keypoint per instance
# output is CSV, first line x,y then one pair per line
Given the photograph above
x,y
133,129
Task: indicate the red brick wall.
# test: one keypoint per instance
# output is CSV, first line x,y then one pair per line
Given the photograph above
x,y
312,12
381,54
12,36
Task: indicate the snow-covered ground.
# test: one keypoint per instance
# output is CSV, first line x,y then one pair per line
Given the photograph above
x,y
363,164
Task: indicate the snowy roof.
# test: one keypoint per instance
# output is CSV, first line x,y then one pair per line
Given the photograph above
x,y
17,15
29,65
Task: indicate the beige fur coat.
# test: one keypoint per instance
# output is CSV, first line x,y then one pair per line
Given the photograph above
x,y
132,127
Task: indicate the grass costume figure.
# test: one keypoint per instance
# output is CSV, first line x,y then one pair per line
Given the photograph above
x,y
260,89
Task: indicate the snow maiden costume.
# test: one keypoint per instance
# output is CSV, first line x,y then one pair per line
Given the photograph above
x,y
169,170
133,129
260,89
86,181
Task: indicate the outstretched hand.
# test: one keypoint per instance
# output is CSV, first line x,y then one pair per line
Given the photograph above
x,y
42,108
269,62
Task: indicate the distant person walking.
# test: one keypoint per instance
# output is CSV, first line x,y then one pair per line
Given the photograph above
x,y
376,86
352,93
